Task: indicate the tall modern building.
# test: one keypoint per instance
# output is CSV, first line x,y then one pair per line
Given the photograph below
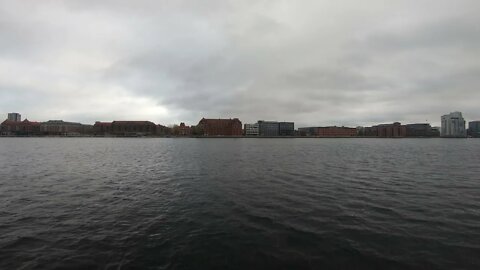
x,y
453,126
15,117
474,129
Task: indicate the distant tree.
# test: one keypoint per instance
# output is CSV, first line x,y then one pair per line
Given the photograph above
x,y
197,130
175,130
163,130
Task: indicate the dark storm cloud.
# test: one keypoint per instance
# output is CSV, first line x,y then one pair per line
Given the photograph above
x,y
312,62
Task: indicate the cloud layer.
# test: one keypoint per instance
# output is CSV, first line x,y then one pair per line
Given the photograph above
x,y
312,62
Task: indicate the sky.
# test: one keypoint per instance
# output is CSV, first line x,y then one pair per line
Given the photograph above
x,y
316,63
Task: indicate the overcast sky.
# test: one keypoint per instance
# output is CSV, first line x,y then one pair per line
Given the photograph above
x,y
313,62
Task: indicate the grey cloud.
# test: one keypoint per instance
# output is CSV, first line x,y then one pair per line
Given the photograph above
x,y
456,33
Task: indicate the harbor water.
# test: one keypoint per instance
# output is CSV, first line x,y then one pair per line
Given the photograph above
x,y
164,203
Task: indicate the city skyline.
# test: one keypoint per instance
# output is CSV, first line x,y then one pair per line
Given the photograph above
x,y
314,62
453,125
22,117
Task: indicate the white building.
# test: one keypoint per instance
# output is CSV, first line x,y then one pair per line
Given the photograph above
x,y
14,117
453,125
251,129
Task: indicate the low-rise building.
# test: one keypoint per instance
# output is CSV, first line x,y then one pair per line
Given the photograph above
x,y
268,128
182,130
125,128
395,130
275,128
286,128
23,128
62,128
251,129
133,128
220,127
474,129
102,128
333,131
421,130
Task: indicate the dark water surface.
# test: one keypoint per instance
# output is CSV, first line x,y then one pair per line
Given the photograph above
x,y
100,203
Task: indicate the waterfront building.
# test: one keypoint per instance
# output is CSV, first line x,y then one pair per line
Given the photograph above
x,y
133,128
332,131
251,129
395,130
220,127
130,129
15,117
102,128
453,125
163,131
268,128
23,128
62,128
185,130
286,128
182,130
421,130
474,129
370,131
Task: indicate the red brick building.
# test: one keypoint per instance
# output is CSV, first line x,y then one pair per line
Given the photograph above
x,y
220,127
102,128
125,128
395,130
62,128
182,130
23,128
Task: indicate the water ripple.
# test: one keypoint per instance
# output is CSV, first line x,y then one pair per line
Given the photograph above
x,y
99,203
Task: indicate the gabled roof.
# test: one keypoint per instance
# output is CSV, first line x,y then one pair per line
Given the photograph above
x,y
60,122
8,122
26,122
206,120
23,123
